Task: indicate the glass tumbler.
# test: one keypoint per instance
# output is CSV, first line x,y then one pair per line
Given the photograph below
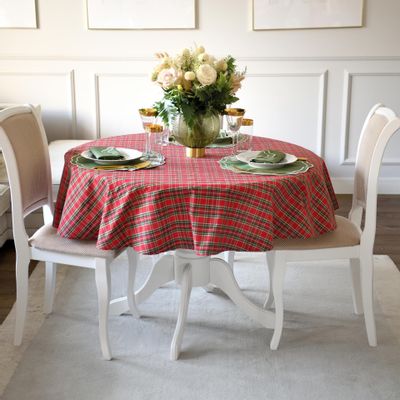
x,y
245,136
155,134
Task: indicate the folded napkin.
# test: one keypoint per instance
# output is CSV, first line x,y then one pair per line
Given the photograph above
x,y
106,153
269,156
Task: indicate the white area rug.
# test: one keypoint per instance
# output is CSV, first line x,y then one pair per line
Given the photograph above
x,y
323,354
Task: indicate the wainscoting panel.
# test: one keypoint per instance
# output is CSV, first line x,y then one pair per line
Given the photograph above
x,y
118,98
54,91
318,103
361,90
287,106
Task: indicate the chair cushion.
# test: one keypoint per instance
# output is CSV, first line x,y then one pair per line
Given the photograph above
x,y
47,238
345,235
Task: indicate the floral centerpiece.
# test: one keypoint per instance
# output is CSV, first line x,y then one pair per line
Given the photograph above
x,y
197,87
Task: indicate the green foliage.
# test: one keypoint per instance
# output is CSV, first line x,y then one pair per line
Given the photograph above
x,y
192,99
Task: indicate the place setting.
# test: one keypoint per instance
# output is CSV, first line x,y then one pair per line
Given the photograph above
x,y
265,162
115,159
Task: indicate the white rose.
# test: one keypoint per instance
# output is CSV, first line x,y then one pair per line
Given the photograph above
x,y
190,76
206,74
203,57
167,77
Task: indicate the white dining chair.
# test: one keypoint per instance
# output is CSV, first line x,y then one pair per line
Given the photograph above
x,y
24,145
354,236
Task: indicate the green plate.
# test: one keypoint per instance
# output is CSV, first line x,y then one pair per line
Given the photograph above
x,y
83,162
233,164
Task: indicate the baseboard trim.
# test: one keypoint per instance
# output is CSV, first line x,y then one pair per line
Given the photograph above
x,y
385,186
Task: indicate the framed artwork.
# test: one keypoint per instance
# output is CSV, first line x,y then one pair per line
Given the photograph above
x,y
141,14
18,14
306,14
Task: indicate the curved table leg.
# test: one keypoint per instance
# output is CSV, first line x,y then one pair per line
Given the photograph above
x,y
186,289
161,273
222,276
229,257
132,261
269,300
277,290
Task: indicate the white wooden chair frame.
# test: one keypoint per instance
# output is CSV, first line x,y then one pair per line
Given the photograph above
x,y
360,256
25,252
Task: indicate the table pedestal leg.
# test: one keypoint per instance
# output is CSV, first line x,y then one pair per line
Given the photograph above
x,y
186,289
189,270
161,273
221,275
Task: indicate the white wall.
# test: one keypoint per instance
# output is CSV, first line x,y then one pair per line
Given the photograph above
x,y
312,87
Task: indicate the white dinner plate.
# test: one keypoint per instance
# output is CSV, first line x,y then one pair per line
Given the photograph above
x,y
129,156
247,156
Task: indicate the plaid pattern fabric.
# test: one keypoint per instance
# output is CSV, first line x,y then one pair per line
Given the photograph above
x,y
193,203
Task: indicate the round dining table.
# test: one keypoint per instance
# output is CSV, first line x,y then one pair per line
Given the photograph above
x,y
197,208
193,203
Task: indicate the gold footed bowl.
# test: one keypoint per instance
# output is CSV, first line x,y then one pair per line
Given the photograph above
x,y
205,130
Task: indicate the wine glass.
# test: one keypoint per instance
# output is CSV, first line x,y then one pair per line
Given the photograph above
x,y
148,117
234,117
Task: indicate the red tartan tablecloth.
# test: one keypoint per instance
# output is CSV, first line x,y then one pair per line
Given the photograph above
x,y
193,203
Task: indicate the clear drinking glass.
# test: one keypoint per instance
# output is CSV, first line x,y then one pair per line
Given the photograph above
x,y
155,134
245,136
234,117
148,117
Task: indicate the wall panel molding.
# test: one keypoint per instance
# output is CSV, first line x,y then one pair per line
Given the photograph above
x,y
147,58
345,159
97,94
71,93
95,100
322,99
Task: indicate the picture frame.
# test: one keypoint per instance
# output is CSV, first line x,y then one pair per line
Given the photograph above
x,y
18,14
139,14
306,14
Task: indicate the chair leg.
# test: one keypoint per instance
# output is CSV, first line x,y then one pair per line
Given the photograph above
x,y
103,279
269,300
277,290
50,287
22,276
367,273
133,258
356,285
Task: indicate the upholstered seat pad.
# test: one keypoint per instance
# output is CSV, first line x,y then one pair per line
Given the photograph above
x,y
345,235
47,238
